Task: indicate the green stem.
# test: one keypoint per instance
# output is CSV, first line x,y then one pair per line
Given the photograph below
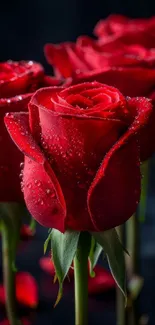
x,y
32,225
132,237
81,284
144,189
120,308
132,244
120,302
9,275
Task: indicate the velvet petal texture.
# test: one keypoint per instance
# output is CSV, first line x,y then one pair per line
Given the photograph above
x,y
138,31
133,81
40,184
82,159
17,78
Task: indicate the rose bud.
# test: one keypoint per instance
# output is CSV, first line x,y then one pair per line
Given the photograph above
x,y
82,157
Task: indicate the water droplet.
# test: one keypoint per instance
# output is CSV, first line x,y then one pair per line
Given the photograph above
x,y
21,175
42,202
30,63
21,164
22,186
8,101
48,191
81,185
29,185
38,183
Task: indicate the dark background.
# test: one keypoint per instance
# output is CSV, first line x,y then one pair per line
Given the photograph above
x,y
25,26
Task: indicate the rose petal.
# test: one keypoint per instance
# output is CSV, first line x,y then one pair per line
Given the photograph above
x,y
147,133
118,177
18,127
57,55
119,24
26,290
25,77
47,266
2,294
26,232
109,25
67,58
131,81
103,281
129,31
52,81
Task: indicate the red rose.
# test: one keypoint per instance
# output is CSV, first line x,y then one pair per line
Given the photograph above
x,y
17,78
129,68
66,58
126,30
81,167
17,82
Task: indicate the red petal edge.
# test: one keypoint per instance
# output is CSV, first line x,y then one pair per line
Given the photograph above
x,y
18,128
119,176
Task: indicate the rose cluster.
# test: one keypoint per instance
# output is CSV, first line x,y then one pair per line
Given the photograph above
x,y
84,132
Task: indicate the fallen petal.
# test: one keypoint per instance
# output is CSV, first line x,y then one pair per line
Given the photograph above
x,y
26,232
103,281
47,266
26,290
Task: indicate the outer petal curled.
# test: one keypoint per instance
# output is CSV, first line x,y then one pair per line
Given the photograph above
x,y
118,178
35,189
147,133
132,81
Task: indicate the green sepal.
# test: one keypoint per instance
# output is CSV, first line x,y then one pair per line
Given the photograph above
x,y
47,241
112,247
124,248
32,225
95,252
64,247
